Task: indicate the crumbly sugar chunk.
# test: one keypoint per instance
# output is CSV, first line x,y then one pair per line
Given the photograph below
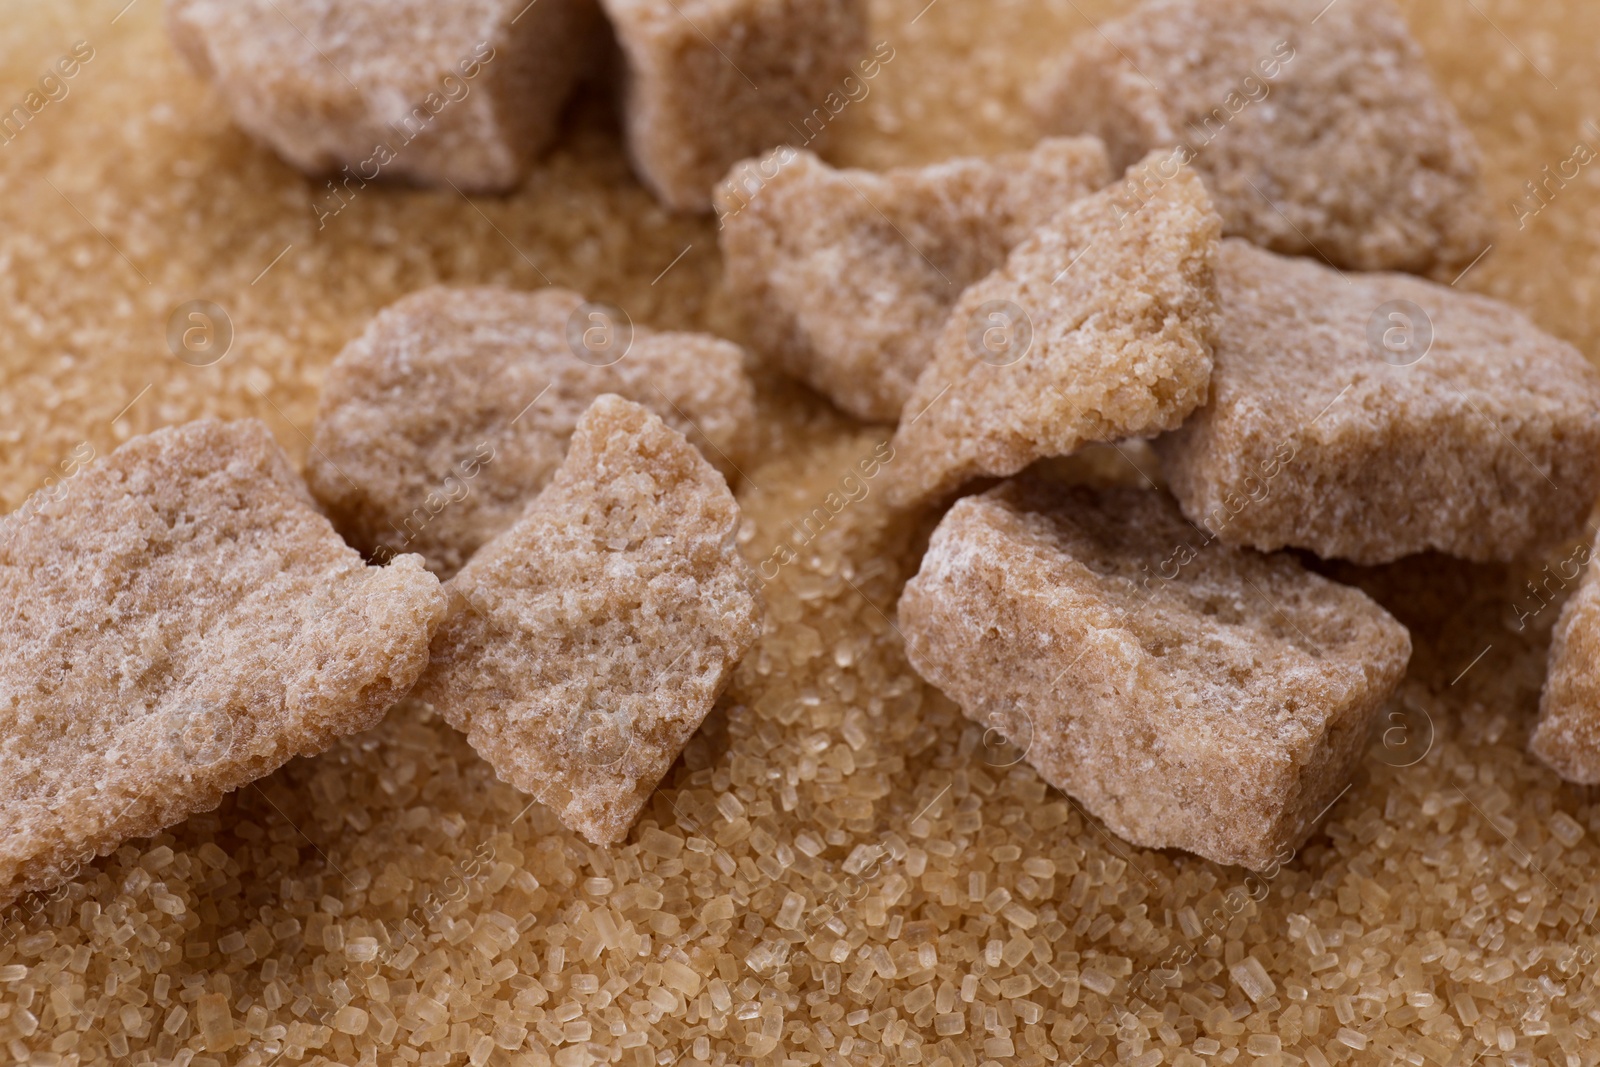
x,y
1190,694
844,277
1099,327
585,644
1323,137
1567,736
711,82
462,91
1367,417
179,621
440,422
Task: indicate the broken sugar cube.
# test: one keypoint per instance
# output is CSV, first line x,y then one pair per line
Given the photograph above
x,y
440,92
440,422
845,277
1370,416
1191,695
1097,328
711,82
586,643
178,621
1567,735
1317,134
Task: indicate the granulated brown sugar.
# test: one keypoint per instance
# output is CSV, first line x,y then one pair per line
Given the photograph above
x,y
1218,706
1318,132
179,622
1373,416
586,643
845,277
1446,913
453,408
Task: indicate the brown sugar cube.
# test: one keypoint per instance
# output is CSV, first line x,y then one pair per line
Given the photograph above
x,y
711,82
1567,736
1368,417
435,91
177,622
1189,694
1098,328
440,422
585,644
1319,135
845,277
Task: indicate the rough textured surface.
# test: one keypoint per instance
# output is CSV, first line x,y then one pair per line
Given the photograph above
x,y
710,82
178,621
1567,737
1318,134
463,92
586,643
845,277
1335,427
1189,694
1099,327
453,409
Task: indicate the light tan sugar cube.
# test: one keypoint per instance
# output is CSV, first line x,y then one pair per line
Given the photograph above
x,y
1189,694
711,82
1368,417
1317,134
178,621
1567,736
586,643
1097,328
436,91
440,422
844,277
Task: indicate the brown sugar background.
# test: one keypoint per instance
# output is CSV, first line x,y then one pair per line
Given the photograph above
x,y
841,869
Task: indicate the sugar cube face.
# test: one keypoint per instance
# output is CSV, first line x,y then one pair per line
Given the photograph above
x,y
845,277
440,422
1567,736
1097,328
1367,417
711,82
586,643
1323,137
179,620
1189,694
435,91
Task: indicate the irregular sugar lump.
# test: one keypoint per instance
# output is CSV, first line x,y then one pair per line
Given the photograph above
x,y
1097,328
1319,135
845,277
1370,416
1567,736
440,422
1189,694
587,642
178,622
711,82
435,91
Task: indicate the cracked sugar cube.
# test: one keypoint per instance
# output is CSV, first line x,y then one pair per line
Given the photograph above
x,y
1370,416
710,82
439,92
1319,135
845,277
1189,694
1097,328
440,422
1567,735
586,643
179,620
